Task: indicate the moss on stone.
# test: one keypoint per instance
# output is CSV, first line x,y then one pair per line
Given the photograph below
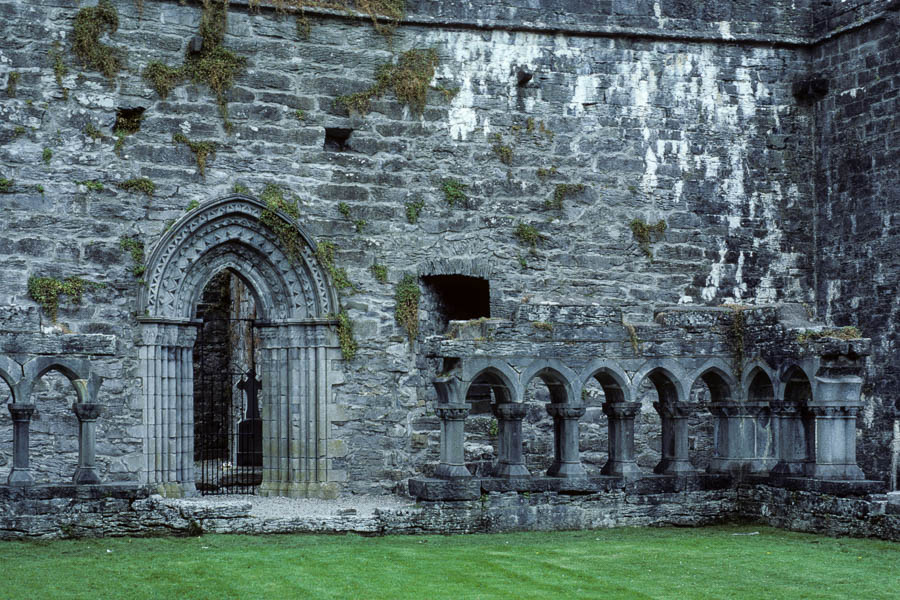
x,y
413,210
135,248
12,80
503,151
527,235
346,339
46,155
90,23
46,291
325,253
645,234
138,185
6,185
286,231
406,311
561,192
202,150
840,333
454,191
380,272
408,79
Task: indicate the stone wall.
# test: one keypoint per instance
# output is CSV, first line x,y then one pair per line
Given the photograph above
x,y
858,203
662,111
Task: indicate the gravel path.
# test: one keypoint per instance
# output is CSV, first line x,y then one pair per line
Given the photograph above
x,y
275,507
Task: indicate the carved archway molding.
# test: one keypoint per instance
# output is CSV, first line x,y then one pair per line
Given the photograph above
x,y
296,304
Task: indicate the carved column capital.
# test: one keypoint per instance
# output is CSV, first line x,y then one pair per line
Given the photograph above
x,y
510,411
452,413
565,411
674,410
621,410
87,411
21,412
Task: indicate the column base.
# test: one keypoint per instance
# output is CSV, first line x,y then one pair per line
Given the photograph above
x,y
20,477
788,469
170,490
674,466
510,471
444,471
628,469
733,466
86,476
569,470
835,472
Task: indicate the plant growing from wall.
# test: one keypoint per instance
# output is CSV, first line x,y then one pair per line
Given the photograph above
x,y
645,234
345,335
380,272
128,121
633,338
385,14
92,185
135,247
542,326
503,151
46,291
408,79
12,80
142,185
285,230
455,191
527,235
90,23
214,65
842,333
406,311
46,155
413,210
6,185
202,150
240,188
735,334
325,254
92,132
561,192
60,69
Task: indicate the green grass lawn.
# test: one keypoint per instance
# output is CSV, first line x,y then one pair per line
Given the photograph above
x,y
711,562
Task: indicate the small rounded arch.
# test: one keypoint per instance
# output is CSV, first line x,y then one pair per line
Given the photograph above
x,y
667,377
795,385
11,373
716,374
560,380
611,377
77,371
494,377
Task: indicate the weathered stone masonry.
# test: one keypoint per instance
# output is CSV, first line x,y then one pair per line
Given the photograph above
x,y
583,123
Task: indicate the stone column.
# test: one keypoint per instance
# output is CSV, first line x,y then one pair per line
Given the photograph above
x,y
87,413
621,462
566,460
20,474
167,370
296,393
792,446
737,433
835,443
674,417
453,460
510,462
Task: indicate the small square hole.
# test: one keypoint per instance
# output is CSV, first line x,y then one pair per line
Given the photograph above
x,y
337,139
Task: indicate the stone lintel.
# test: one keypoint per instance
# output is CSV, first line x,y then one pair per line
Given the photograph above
x,y
99,344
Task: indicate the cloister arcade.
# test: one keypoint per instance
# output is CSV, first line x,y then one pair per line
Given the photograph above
x,y
785,420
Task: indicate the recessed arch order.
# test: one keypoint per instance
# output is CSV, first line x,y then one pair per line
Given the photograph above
x,y
296,304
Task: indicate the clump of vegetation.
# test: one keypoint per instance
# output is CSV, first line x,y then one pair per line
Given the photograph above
x,y
128,121
543,326
503,151
135,247
12,81
215,66
407,306
841,333
39,188
46,155
240,188
645,234
544,172
92,185
380,272
192,205
345,336
385,14
301,116
202,150
413,210
325,254
561,192
91,131
494,428
344,209
19,130
285,230
46,291
455,191
90,23
6,185
735,334
60,69
408,78
527,235
632,337
143,185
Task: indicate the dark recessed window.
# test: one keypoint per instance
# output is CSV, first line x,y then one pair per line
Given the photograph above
x,y
337,139
458,297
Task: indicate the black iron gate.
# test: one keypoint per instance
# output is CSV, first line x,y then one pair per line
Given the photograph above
x,y
227,423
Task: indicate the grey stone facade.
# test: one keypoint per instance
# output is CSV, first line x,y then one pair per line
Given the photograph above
x,y
578,126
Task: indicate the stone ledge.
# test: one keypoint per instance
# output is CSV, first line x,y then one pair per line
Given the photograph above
x,y
863,487
128,491
57,343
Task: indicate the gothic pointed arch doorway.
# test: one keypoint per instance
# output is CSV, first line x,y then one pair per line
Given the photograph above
x,y
293,326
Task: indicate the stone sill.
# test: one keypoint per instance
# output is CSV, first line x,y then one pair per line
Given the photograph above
x,y
73,491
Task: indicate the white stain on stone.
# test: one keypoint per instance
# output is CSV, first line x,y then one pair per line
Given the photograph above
x,y
715,274
725,30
